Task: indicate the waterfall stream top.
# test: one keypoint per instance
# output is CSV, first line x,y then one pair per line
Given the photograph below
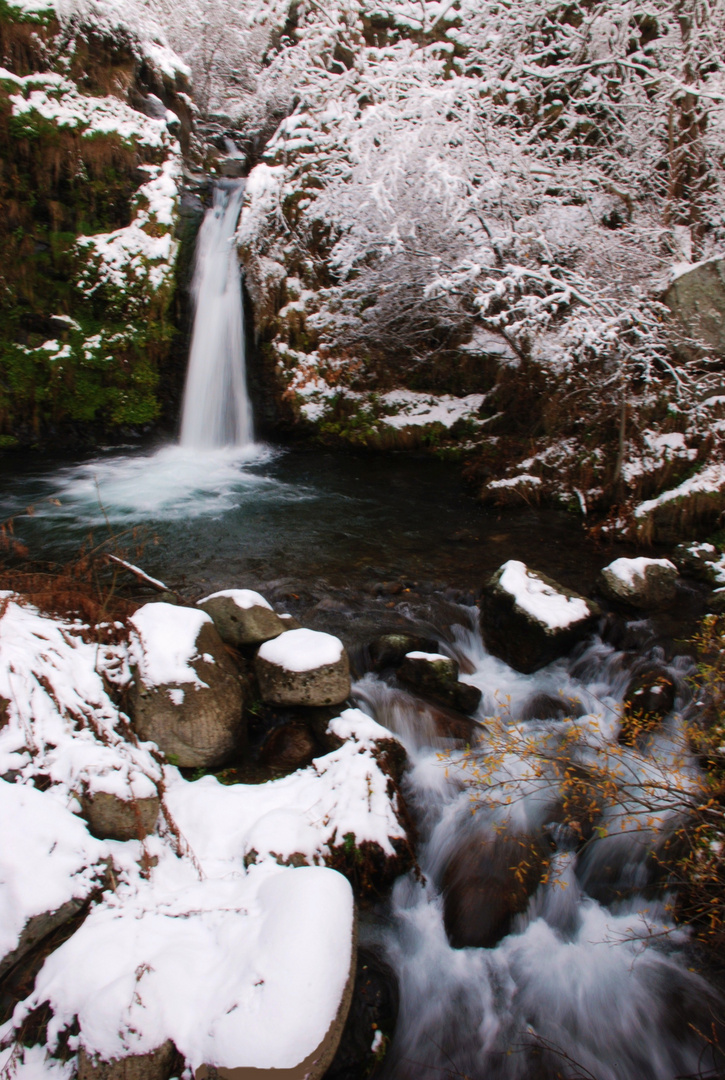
x,y
216,409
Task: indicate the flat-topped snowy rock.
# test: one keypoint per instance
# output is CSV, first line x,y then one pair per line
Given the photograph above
x,y
435,676
303,667
186,695
528,619
643,583
242,616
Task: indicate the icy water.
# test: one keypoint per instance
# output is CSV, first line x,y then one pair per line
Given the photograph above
x,y
235,516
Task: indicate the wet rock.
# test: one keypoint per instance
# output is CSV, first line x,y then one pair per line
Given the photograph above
x,y
435,676
486,883
547,707
157,1065
4,703
370,1022
648,584
289,747
112,818
195,717
242,617
528,620
648,699
431,673
303,667
233,168
389,650
628,863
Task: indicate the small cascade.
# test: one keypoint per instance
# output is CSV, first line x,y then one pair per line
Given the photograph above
x,y
591,978
216,409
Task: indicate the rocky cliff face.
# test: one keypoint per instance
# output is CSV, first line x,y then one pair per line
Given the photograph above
x,y
91,132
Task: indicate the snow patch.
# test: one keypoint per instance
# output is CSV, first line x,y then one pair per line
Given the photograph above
x,y
549,607
243,598
163,643
302,650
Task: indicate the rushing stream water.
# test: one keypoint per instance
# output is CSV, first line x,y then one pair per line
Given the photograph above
x,y
591,979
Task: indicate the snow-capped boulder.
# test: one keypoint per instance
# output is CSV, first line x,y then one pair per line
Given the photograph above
x,y
435,676
186,695
527,619
641,583
252,971
303,667
242,616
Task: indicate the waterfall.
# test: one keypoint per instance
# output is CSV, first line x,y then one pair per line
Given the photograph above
x,y
216,405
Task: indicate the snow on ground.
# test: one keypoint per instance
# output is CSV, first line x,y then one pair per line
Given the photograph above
x,y
204,935
302,650
549,607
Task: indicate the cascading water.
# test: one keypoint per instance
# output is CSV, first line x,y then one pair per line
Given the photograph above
x,y
216,409
592,979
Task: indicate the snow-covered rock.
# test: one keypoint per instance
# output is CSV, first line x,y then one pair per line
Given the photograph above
x,y
242,616
642,583
186,695
303,667
436,676
49,866
528,619
250,971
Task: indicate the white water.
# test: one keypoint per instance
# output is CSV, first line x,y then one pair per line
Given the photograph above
x,y
579,987
216,409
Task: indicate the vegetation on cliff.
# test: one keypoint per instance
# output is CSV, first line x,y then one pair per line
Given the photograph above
x,y
90,164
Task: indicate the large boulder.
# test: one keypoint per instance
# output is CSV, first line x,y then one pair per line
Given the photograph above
x,y
488,881
642,583
697,298
303,667
242,617
528,620
186,694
